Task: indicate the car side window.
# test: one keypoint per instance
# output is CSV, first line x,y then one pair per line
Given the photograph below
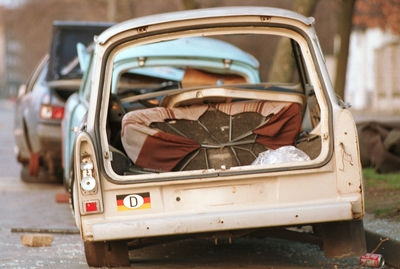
x,y
38,75
84,91
39,79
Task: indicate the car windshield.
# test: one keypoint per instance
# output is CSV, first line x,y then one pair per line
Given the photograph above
x,y
207,102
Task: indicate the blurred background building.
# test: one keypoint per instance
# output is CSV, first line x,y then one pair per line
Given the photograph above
x,y
2,49
373,73
374,50
28,24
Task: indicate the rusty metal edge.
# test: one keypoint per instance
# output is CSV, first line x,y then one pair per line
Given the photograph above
x,y
389,250
46,230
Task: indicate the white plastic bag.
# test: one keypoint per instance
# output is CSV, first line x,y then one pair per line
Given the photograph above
x,y
283,154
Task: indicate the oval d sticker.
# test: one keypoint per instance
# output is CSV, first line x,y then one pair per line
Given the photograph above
x,y
133,201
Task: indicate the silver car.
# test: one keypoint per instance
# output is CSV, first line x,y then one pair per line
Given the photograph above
x,y
40,103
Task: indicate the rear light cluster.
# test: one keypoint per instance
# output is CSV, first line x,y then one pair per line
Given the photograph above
x,y
48,112
89,186
88,183
87,176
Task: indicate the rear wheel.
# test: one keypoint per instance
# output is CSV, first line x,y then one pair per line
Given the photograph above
x,y
111,253
42,175
35,171
75,205
30,169
26,176
99,254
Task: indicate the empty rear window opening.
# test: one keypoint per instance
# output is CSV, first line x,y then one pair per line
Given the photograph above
x,y
196,110
64,93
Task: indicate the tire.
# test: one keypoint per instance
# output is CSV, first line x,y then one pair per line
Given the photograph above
x,y
111,253
75,206
39,175
99,254
343,239
26,176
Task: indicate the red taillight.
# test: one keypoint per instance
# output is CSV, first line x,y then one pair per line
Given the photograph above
x,y
51,112
58,112
91,206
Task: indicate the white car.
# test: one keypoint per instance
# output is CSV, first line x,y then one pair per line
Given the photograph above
x,y
216,153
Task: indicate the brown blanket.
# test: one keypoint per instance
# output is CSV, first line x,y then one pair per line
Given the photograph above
x,y
152,148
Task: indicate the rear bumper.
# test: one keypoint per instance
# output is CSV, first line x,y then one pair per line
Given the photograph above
x,y
197,223
49,132
48,138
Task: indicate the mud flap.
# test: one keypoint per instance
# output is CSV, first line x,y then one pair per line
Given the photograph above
x,y
343,239
112,253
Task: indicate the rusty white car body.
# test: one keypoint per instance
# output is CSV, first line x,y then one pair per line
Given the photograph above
x,y
217,198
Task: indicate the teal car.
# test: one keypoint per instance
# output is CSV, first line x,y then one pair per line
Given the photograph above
x,y
153,68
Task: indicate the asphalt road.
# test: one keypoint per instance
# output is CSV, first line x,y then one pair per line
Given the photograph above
x,y
25,205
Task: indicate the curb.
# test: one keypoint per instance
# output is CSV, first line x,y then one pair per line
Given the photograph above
x,y
390,249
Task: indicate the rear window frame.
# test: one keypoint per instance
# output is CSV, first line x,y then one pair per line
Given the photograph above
x,y
291,30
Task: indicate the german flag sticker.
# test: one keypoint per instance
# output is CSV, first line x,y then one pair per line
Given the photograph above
x,y
133,201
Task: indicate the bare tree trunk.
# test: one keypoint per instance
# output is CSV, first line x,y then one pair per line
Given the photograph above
x,y
190,4
111,10
347,8
283,63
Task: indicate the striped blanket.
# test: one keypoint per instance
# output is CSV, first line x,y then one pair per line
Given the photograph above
x,y
152,148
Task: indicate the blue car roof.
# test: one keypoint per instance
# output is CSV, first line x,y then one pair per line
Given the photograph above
x,y
164,72
191,47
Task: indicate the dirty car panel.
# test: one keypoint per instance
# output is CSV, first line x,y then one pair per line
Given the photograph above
x,y
216,151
